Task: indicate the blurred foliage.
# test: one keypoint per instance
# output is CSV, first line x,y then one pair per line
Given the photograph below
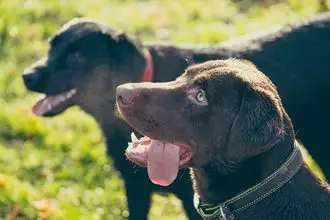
x,y
57,168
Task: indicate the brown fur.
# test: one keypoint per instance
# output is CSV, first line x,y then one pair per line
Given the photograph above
x,y
238,139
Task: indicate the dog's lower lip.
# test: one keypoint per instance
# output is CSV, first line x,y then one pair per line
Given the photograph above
x,y
187,157
139,161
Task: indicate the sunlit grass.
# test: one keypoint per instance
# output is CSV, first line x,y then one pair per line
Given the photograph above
x,y
57,168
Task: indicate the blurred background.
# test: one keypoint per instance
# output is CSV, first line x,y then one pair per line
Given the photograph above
x,y
57,168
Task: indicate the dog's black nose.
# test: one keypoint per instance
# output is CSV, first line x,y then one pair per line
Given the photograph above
x,y
31,77
126,95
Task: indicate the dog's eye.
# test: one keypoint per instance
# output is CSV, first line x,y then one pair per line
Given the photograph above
x,y
201,96
75,58
198,96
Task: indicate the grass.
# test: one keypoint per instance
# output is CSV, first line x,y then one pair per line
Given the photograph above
x,y
57,168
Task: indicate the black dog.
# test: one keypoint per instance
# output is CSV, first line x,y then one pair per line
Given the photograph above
x,y
225,120
87,60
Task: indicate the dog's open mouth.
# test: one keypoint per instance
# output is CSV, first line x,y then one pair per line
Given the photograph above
x,y
163,160
50,105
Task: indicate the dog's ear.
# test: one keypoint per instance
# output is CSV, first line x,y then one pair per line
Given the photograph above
x,y
258,125
126,54
121,36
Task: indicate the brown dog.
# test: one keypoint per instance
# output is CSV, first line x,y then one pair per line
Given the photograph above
x,y
225,120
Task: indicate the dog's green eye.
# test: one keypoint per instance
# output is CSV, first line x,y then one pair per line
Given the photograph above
x,y
201,96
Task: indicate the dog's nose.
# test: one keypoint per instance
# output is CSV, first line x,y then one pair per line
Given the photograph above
x,y
126,95
30,77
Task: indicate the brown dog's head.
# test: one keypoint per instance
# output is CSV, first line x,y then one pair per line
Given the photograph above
x,y
86,61
219,112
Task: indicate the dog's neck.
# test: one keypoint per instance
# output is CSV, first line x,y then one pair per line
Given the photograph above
x,y
109,120
215,187
105,111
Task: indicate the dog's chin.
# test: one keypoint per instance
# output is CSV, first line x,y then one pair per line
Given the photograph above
x,y
52,105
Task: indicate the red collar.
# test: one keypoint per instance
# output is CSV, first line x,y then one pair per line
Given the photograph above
x,y
149,68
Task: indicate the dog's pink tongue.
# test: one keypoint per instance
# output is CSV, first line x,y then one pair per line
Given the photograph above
x,y
41,107
163,162
45,104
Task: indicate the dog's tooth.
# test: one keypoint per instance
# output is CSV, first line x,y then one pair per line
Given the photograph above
x,y
70,93
133,137
62,98
135,146
49,107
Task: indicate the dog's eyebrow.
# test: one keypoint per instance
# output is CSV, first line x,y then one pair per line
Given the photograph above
x,y
207,66
200,79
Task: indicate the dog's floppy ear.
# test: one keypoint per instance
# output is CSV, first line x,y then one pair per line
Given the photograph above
x,y
258,125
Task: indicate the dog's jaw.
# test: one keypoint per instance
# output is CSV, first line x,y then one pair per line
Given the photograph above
x,y
163,159
51,105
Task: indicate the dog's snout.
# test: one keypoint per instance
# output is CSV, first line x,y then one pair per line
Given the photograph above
x,y
126,95
31,77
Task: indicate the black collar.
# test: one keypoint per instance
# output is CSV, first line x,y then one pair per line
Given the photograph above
x,y
228,209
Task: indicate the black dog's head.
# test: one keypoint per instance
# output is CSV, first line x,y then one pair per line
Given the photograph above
x,y
224,111
86,61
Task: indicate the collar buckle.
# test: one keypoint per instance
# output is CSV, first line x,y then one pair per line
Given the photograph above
x,y
225,213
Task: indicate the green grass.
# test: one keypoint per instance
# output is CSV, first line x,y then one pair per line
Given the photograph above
x,y
57,168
